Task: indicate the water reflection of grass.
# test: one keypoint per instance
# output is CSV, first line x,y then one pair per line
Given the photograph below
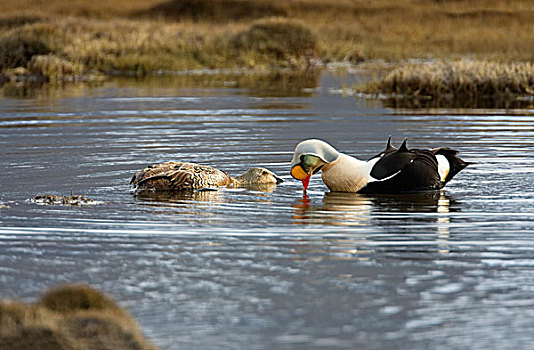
x,y
278,83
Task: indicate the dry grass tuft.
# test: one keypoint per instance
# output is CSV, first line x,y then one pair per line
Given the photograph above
x,y
72,298
18,48
55,69
17,21
216,10
459,79
69,318
282,39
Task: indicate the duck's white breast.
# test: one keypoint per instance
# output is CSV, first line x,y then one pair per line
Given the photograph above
x,y
345,174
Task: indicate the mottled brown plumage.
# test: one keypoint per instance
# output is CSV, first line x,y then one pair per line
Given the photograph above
x,y
179,176
182,176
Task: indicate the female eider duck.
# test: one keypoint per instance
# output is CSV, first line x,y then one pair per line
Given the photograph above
x,y
181,176
391,171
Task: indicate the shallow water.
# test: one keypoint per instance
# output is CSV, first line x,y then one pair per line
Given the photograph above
x,y
264,268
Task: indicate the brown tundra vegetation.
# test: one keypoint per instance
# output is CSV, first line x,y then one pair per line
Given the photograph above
x,y
61,40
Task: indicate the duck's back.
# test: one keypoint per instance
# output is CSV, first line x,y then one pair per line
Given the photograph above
x,y
411,170
405,171
178,176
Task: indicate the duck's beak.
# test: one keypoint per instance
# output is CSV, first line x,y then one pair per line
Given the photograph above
x,y
308,165
300,174
278,179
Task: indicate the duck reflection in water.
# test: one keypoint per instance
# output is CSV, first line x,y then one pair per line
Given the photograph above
x,y
204,195
353,209
198,199
397,218
179,197
202,207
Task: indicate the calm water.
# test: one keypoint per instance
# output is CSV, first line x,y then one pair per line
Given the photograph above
x,y
250,269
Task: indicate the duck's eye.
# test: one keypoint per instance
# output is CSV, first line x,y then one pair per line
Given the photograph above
x,y
264,173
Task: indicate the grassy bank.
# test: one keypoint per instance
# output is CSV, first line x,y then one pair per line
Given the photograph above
x,y
69,317
70,48
467,82
65,40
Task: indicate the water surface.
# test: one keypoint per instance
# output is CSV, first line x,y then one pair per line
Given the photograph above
x,y
264,268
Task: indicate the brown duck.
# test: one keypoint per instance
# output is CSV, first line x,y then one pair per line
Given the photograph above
x,y
182,176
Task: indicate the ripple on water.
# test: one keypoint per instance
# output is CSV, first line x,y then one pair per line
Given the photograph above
x,y
265,268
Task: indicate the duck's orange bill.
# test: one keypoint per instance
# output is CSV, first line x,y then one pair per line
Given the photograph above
x,y
298,173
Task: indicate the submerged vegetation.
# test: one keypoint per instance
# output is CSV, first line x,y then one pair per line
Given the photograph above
x,y
69,317
79,40
73,199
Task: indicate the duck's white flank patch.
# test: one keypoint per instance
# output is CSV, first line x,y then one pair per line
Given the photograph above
x,y
443,167
372,179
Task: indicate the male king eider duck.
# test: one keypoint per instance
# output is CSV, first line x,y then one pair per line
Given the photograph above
x,y
394,170
181,176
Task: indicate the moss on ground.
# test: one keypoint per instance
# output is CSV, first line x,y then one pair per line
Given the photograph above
x,y
70,317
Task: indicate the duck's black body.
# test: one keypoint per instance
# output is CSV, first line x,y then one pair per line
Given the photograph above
x,y
411,170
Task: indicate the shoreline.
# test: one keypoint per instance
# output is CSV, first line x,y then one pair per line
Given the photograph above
x,y
69,42
409,83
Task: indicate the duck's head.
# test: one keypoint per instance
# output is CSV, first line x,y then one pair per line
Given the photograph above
x,y
258,176
309,158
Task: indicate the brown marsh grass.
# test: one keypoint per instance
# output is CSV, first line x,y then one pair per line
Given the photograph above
x,y
463,80
388,29
281,39
69,317
150,35
215,10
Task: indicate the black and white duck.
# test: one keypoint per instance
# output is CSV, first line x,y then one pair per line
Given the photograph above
x,y
395,170
183,176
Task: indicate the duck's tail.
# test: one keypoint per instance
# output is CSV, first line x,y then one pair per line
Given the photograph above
x,y
456,164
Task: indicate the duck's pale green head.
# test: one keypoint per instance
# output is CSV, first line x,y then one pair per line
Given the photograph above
x,y
309,158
